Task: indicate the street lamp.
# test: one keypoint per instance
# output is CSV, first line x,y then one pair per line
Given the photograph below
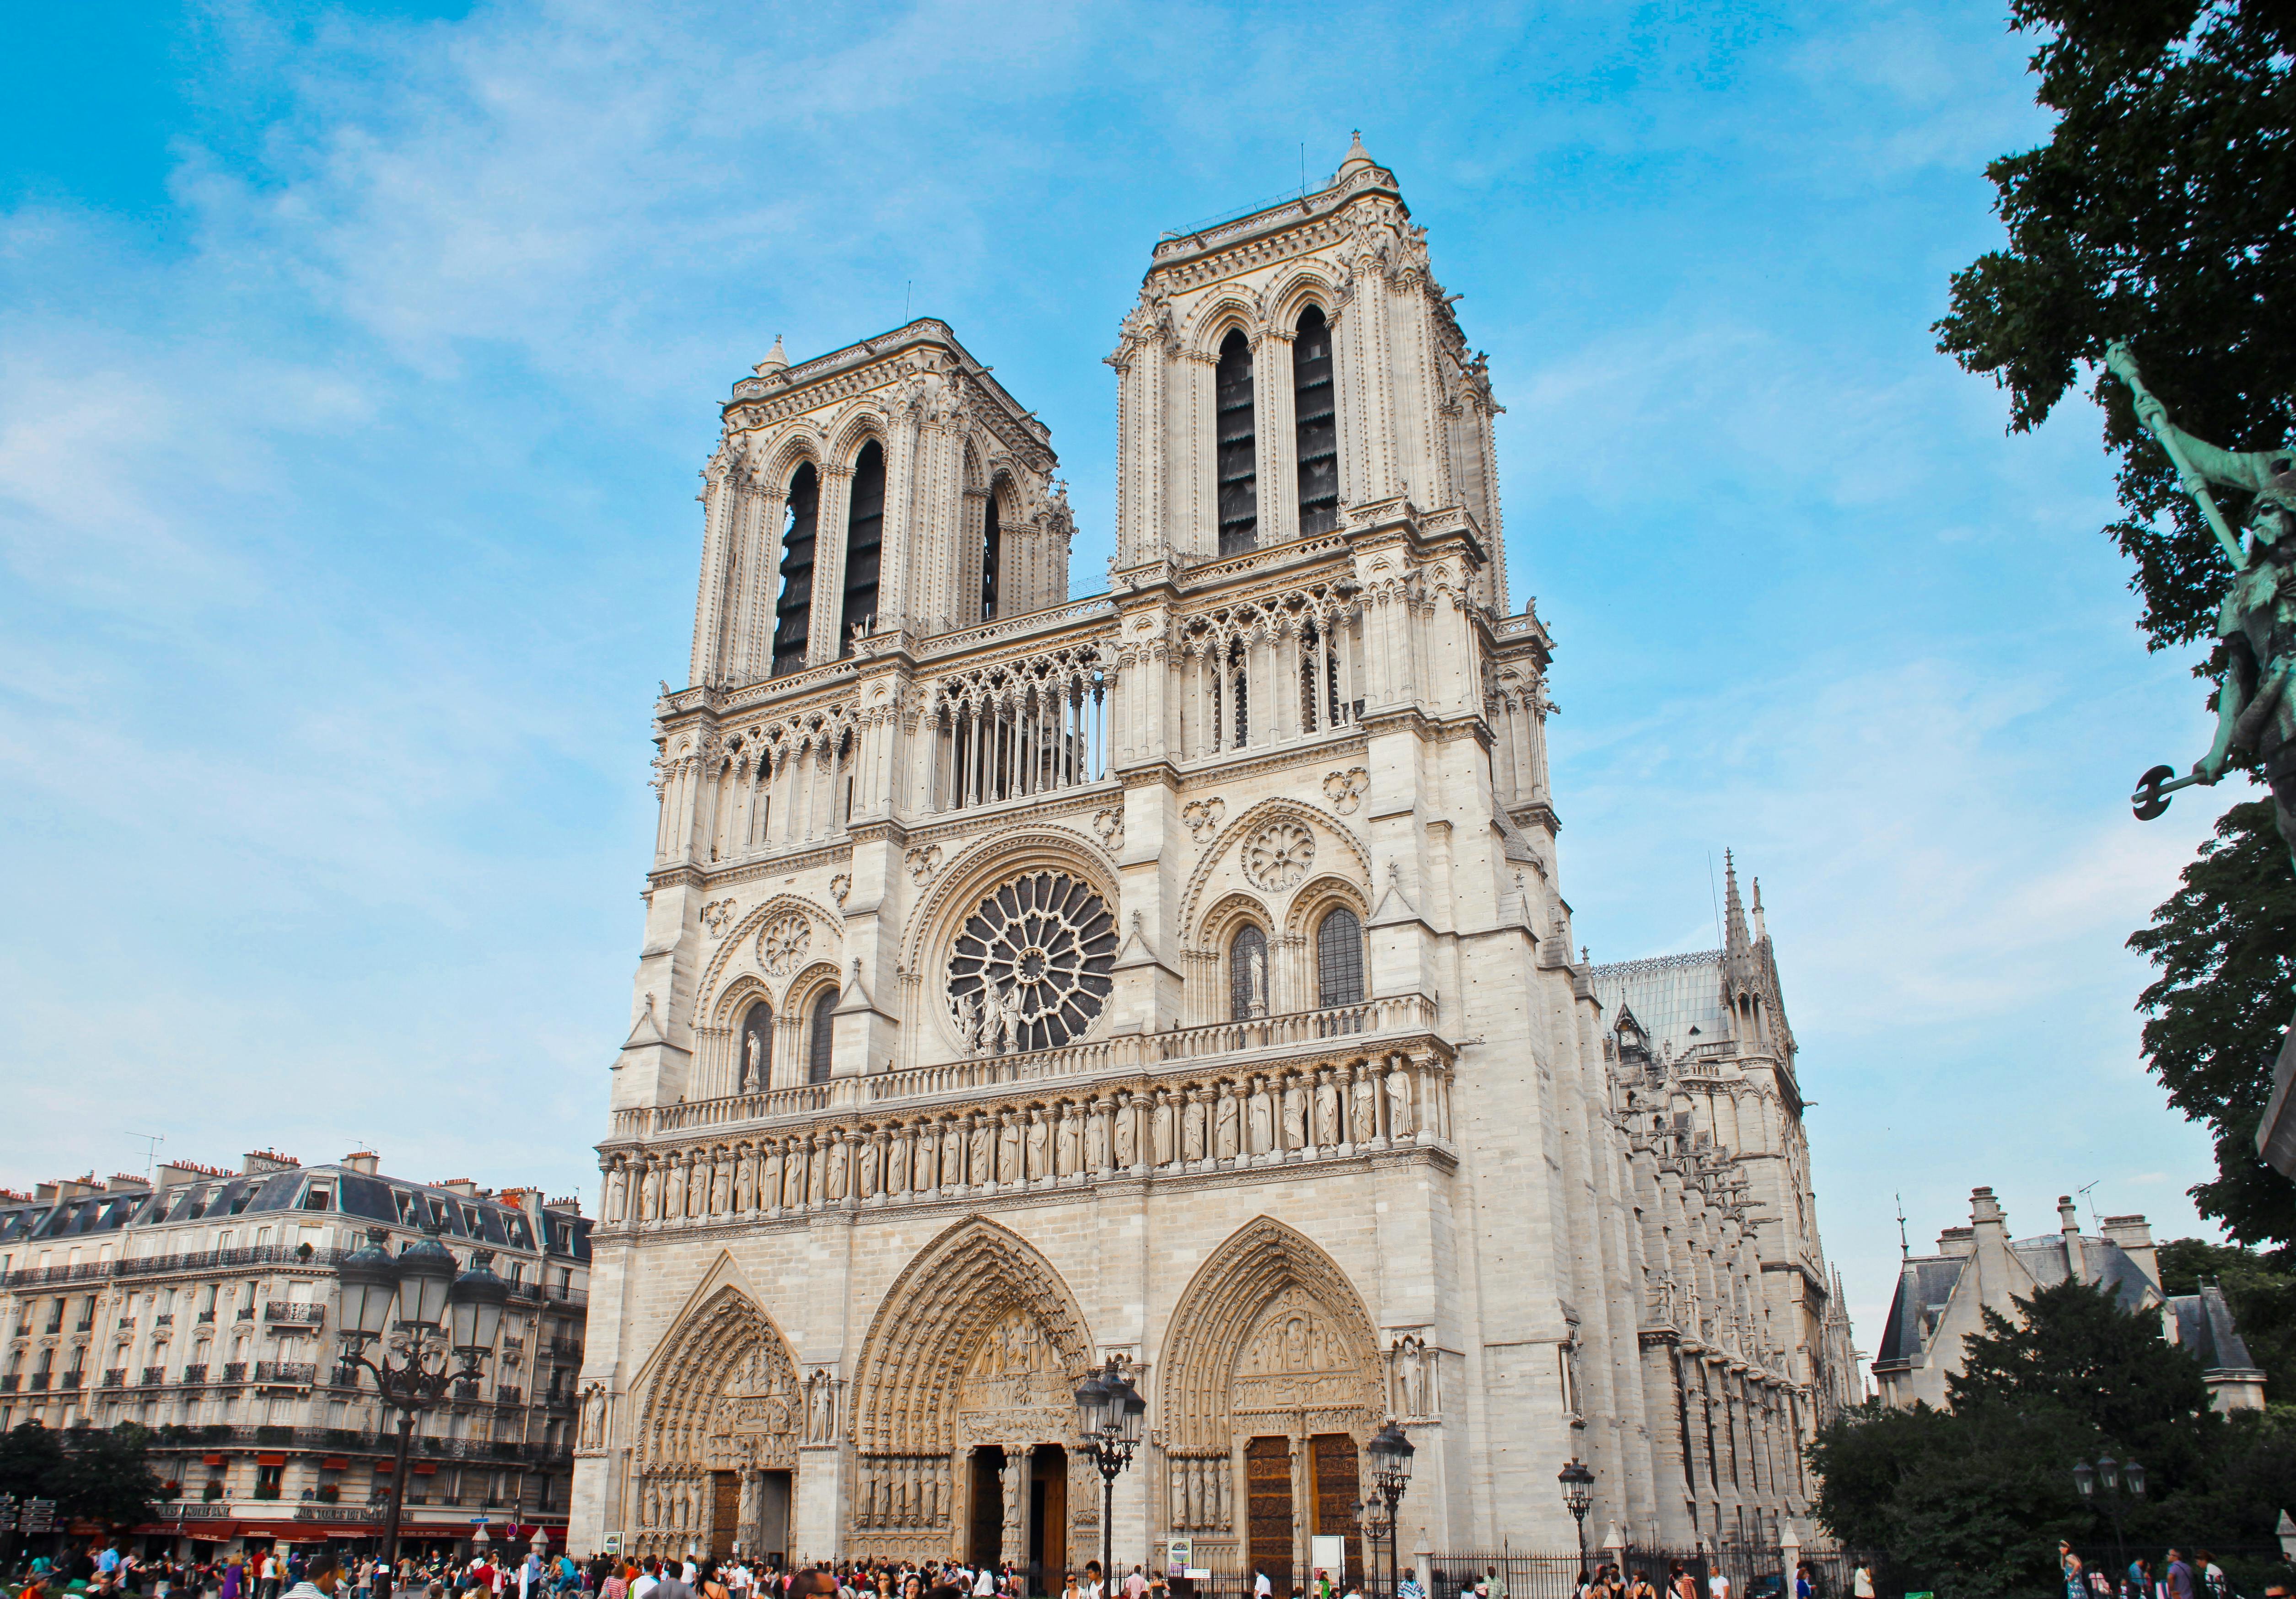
x,y
1577,1497
2115,1487
416,1306
1109,1409
1391,1453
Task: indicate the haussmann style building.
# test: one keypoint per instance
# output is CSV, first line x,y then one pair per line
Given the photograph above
x,y
1182,974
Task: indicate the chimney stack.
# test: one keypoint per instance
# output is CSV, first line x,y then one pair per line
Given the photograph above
x,y
2068,1225
2135,1237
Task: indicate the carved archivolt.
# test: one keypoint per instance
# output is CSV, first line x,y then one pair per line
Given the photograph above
x,y
725,1391
1277,813
980,1302
1268,1337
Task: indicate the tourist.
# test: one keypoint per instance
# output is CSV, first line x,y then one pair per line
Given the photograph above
x,y
2181,1583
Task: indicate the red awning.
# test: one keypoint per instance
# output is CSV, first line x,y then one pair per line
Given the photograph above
x,y
210,1460
426,1468
264,1460
334,1463
383,1468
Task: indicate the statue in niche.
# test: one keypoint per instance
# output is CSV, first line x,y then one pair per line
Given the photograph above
x,y
618,1184
1008,1149
1095,1139
1127,1136
1192,1127
1072,1137
1364,1106
794,1178
1295,1115
1399,1123
1263,1119
897,1163
837,1160
769,1178
970,1024
952,1153
753,1062
982,1172
1327,1110
1228,1129
1167,1127
1040,1150
870,1157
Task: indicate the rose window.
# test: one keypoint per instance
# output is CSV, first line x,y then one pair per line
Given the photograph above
x,y
1280,856
781,943
1031,968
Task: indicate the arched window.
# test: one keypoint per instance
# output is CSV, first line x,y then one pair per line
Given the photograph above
x,y
992,546
753,1069
817,1044
793,611
1239,467
865,533
1339,959
1247,975
1318,435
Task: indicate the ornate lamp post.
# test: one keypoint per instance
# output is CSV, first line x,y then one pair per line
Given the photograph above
x,y
1109,1409
413,1306
1391,1453
2115,1487
1577,1497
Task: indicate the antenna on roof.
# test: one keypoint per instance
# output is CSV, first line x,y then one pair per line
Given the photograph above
x,y
2084,1193
1905,1249
151,1142
1719,941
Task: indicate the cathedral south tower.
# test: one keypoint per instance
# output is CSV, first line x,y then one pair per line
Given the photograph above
x,y
1181,975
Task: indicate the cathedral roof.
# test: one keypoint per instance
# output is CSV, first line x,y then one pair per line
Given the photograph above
x,y
1676,999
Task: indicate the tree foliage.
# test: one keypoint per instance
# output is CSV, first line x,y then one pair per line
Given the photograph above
x,y
2225,947
2260,1291
2158,212
92,1474
1969,1501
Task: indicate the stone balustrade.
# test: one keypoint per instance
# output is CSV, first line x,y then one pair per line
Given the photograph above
x,y
1285,1091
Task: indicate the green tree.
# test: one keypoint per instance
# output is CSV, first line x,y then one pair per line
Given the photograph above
x,y
1969,1501
30,1458
2260,1291
2157,212
2225,944
106,1476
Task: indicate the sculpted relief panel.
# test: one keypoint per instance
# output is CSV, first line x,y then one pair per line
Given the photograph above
x,y
1295,1360
1014,1389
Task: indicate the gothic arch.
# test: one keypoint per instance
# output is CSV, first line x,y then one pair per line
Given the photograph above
x,y
775,460
1232,839
1229,309
720,1393
1295,292
1206,1400
946,1301
715,986
856,427
1318,894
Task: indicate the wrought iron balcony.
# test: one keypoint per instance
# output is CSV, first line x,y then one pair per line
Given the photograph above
x,y
234,1371
196,1373
286,1371
289,1316
117,1377
506,1395
11,1383
153,1376
39,1381
71,1379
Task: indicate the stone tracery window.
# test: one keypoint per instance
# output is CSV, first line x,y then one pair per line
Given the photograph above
x,y
1339,959
1247,974
1030,967
817,1042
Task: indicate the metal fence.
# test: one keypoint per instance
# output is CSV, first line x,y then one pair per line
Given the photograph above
x,y
1756,1571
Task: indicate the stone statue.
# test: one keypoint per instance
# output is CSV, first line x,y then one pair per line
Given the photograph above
x,y
1400,1124
1191,1128
1040,1145
1363,1110
1295,1115
982,1173
2256,712
870,1159
1008,1149
1263,1118
1127,1136
753,1063
1071,1135
1327,1110
834,1188
1095,1139
1256,967
1227,1130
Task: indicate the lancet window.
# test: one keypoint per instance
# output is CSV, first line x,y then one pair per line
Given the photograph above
x,y
1018,729
792,613
1247,974
1242,657
756,1060
865,533
820,1036
1317,431
1238,462
992,543
1339,959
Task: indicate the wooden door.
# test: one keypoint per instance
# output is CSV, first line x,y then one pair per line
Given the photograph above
x,y
725,1512
1332,1459
1052,1469
1268,1508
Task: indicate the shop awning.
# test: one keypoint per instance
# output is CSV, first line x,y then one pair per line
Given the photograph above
x,y
334,1463
264,1460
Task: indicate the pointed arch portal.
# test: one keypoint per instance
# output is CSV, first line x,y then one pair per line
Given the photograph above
x,y
716,1455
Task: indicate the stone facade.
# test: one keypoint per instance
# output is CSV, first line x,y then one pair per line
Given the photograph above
x,y
1179,975
201,1304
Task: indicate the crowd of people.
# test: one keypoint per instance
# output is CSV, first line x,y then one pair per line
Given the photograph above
x,y
2178,1576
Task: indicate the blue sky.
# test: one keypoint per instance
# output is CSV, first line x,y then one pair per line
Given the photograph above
x,y
356,362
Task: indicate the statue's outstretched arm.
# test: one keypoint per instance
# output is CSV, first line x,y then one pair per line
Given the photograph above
x,y
2235,468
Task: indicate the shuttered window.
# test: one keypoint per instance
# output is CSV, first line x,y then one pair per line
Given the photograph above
x,y
1317,414
1339,959
865,534
1239,470
992,540
793,611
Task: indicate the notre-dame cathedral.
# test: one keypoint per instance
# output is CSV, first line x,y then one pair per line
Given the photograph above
x,y
1180,974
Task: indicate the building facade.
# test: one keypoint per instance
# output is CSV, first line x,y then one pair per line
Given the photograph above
x,y
1942,1298
201,1304
1181,974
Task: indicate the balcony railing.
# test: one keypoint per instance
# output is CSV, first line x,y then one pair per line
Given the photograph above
x,y
196,1373
506,1395
153,1376
117,1377
1234,1044
234,1371
286,1371
11,1383
291,1317
71,1379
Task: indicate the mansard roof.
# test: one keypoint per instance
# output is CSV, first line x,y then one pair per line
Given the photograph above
x,y
1925,1285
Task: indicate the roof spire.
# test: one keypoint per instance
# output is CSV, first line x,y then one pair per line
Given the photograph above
x,y
1735,940
1358,159
1761,934
775,361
